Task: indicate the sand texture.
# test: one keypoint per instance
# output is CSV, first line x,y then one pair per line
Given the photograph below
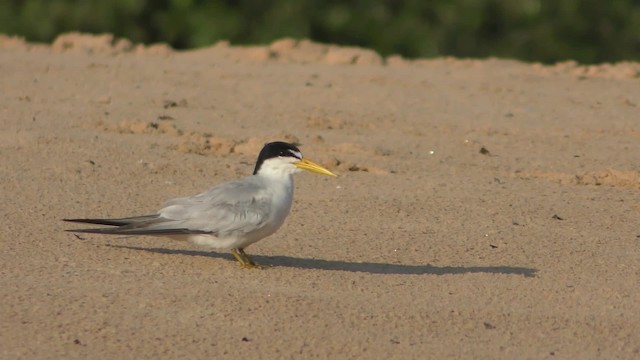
x,y
484,209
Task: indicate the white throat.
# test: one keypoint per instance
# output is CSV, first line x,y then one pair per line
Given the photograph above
x,y
279,168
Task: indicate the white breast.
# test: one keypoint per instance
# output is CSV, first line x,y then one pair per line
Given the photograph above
x,y
280,207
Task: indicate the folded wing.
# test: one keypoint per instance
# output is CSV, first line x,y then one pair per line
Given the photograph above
x,y
232,208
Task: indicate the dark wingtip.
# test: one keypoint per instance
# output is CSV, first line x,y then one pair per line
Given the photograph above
x,y
82,220
108,222
106,231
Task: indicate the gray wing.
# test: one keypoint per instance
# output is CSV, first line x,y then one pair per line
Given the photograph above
x,y
235,207
239,206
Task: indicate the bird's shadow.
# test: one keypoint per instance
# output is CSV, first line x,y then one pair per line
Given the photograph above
x,y
365,267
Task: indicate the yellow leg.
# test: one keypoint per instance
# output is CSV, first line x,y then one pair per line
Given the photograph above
x,y
244,259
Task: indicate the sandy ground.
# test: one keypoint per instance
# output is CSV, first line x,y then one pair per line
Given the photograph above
x,y
484,209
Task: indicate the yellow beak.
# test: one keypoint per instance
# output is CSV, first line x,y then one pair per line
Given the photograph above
x,y
309,165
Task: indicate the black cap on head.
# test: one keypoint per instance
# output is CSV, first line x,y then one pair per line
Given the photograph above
x,y
276,149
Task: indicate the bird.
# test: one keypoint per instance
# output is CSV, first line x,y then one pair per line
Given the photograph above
x,y
226,217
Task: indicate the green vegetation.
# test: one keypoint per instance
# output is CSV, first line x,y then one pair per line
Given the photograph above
x,y
589,31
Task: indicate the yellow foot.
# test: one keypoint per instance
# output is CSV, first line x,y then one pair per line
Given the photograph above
x,y
244,259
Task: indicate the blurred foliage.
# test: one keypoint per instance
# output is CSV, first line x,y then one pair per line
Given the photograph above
x,y
589,31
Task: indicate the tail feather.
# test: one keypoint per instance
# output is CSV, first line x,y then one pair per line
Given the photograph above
x,y
156,232
139,225
115,222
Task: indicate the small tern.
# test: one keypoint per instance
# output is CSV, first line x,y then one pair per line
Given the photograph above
x,y
229,216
